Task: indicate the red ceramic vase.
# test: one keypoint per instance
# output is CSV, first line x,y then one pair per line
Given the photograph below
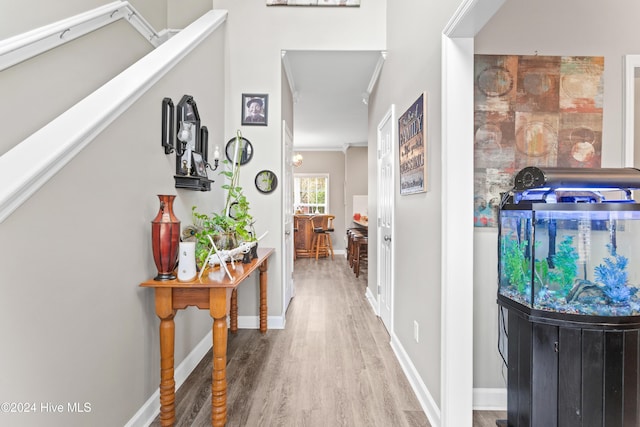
x,y
165,239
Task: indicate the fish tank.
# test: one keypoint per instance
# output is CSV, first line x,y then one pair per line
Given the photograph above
x,y
569,242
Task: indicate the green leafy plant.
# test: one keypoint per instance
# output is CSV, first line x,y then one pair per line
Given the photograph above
x,y
515,265
234,222
565,267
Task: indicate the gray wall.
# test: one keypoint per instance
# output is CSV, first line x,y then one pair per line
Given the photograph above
x,y
27,90
75,325
413,66
15,20
549,27
356,179
636,123
332,163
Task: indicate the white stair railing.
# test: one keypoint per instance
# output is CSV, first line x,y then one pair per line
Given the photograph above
x,y
28,165
27,45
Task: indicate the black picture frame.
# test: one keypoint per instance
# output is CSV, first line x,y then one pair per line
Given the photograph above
x,y
266,181
198,165
255,109
245,153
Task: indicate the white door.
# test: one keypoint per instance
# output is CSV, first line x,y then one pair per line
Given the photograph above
x,y
386,203
287,209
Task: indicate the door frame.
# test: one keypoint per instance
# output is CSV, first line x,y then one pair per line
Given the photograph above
x,y
631,64
388,117
286,163
456,329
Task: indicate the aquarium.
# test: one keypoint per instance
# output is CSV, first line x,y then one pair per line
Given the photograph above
x,y
572,251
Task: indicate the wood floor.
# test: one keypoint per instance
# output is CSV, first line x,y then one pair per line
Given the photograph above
x,y
331,366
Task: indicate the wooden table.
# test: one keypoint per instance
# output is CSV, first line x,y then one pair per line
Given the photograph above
x,y
204,293
303,237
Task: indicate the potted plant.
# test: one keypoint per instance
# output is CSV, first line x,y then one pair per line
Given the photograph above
x,y
233,225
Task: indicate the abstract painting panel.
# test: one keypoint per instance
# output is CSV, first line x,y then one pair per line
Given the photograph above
x,y
532,111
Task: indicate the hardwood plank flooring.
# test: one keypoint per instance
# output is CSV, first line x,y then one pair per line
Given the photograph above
x,y
332,365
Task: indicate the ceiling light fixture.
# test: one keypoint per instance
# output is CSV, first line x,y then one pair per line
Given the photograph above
x,y
297,160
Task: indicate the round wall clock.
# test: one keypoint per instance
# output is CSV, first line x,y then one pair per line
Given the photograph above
x,y
266,181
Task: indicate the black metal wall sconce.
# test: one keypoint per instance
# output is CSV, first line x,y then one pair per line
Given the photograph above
x,y
191,144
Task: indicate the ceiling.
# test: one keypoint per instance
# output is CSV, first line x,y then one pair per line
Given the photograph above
x,y
330,89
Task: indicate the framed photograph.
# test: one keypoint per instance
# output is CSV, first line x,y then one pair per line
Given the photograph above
x,y
255,109
199,168
412,137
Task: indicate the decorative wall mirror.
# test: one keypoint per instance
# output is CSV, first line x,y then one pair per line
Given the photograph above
x,y
245,150
266,181
233,210
188,128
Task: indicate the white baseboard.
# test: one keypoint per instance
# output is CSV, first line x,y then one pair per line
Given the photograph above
x,y
151,408
373,301
490,399
253,322
429,405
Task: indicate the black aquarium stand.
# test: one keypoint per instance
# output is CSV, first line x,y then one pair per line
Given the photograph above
x,y
568,370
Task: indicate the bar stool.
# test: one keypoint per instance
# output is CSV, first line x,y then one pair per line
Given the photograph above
x,y
351,235
322,225
361,249
330,230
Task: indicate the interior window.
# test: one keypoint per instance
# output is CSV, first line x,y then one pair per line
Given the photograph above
x,y
310,193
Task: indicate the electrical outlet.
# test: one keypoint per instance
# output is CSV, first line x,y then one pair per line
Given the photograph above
x,y
415,331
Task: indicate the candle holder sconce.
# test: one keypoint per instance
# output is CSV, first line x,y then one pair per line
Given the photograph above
x,y
191,144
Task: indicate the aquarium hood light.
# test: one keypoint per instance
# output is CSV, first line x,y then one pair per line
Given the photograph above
x,y
588,179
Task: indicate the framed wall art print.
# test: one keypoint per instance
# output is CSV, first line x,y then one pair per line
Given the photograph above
x,y
412,138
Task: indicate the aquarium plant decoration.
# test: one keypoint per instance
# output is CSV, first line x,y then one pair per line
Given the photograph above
x,y
613,275
565,268
516,267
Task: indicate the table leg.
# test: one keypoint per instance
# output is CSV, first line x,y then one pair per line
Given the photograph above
x,y
218,310
167,339
263,297
233,323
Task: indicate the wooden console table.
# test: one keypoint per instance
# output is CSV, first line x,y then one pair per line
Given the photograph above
x,y
211,294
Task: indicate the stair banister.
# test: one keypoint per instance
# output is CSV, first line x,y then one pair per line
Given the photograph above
x,y
21,47
28,165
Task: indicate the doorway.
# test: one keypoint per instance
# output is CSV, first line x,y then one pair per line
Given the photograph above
x,y
386,207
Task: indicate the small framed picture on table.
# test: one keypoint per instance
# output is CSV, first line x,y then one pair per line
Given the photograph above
x,y
199,168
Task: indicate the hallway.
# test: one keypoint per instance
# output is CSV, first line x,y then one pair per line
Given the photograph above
x,y
332,365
